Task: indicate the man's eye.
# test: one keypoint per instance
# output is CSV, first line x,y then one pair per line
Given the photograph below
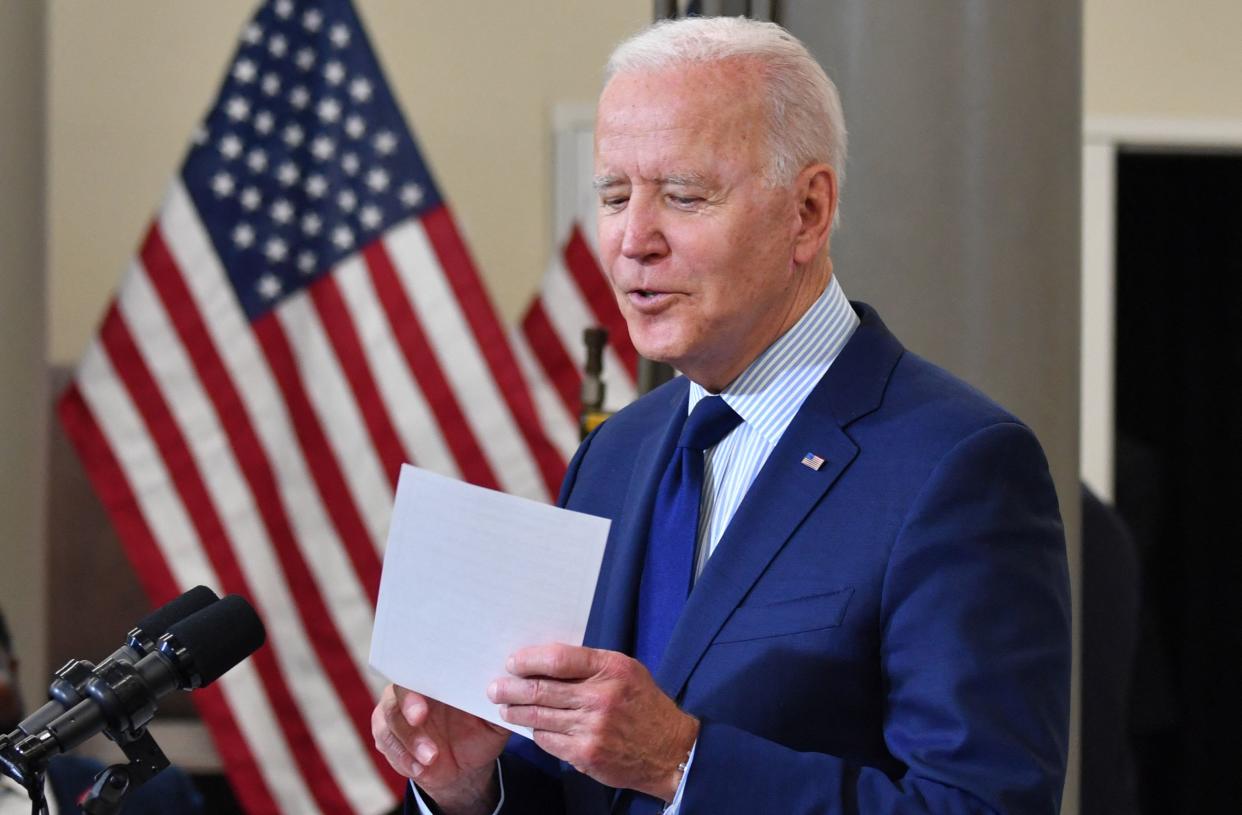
x,y
614,201
685,200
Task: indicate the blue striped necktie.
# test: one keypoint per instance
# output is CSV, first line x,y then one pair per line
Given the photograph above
x,y
673,537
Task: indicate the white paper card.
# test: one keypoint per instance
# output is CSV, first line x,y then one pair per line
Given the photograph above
x,y
471,575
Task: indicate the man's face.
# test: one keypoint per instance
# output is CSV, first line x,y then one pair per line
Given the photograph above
x,y
697,247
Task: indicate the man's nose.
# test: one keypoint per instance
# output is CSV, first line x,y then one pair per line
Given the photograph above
x,y
644,239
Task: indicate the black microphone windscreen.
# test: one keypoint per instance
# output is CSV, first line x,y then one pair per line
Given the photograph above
x,y
157,623
220,636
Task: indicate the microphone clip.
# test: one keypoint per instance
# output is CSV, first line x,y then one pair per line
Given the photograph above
x,y
112,784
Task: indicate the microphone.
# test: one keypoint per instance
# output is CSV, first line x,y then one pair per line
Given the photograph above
x,y
66,688
120,697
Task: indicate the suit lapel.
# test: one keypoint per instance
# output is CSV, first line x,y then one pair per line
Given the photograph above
x,y
611,625
783,493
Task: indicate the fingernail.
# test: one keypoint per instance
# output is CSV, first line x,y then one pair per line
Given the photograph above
x,y
416,769
425,753
510,664
491,691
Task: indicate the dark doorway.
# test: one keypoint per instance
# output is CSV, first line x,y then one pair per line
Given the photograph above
x,y
1179,468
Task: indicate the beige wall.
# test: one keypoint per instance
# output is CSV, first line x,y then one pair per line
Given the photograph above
x,y
128,80
22,414
1163,58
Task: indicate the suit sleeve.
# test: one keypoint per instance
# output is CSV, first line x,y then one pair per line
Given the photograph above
x,y
975,651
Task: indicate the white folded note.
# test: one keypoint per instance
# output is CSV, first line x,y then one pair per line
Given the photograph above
x,y
471,575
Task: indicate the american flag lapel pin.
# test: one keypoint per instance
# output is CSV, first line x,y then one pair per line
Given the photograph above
x,y
812,461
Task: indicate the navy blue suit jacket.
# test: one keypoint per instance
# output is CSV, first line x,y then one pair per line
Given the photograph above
x,y
887,634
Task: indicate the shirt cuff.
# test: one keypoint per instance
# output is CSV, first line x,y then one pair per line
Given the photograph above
x,y
500,776
674,806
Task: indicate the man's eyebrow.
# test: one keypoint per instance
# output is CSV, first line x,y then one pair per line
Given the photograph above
x,y
689,179
686,180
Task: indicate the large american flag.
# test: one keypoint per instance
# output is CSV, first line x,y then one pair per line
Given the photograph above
x,y
300,319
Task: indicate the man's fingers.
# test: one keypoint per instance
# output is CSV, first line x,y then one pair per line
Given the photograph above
x,y
557,660
392,748
542,718
537,690
414,707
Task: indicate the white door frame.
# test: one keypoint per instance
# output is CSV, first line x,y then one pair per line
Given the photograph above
x,y
1103,138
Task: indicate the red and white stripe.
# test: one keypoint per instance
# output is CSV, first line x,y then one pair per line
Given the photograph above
x,y
574,296
260,459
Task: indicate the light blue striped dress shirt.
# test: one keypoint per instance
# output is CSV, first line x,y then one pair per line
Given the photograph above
x,y
767,395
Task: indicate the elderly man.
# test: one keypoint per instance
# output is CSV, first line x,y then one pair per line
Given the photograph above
x,y
836,577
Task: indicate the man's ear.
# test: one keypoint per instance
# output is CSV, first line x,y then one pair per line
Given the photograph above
x,y
816,187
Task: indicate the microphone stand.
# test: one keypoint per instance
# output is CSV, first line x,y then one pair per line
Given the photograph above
x,y
111,785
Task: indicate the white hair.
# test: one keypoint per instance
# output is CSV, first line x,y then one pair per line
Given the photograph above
x,y
805,123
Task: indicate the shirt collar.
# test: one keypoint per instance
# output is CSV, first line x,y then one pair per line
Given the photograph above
x,y
770,390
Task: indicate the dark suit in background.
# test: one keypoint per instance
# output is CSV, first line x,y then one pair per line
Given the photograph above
x,y
169,793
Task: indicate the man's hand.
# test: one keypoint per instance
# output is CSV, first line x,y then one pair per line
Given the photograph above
x,y
449,753
602,712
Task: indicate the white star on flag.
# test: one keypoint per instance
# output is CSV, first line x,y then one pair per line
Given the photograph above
x,y
350,163
339,35
230,146
311,224
271,84
277,45
385,142
305,59
316,186
347,200
253,34
306,262
264,122
312,20
411,195
244,71
355,126
322,148
293,135
299,97
334,72
287,174
360,89
328,110
282,211
275,250
237,109
377,179
370,216
343,237
251,198
269,286
243,235
257,160
222,184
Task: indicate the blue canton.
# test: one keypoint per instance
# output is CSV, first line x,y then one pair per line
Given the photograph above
x,y
305,157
